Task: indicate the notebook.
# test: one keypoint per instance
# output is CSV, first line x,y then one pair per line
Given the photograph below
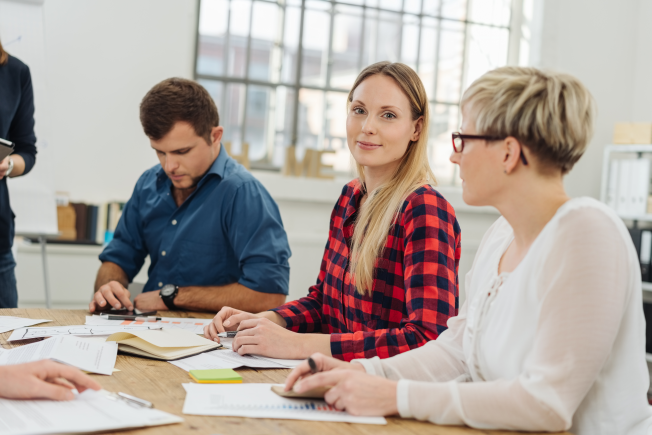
x,y
216,376
162,344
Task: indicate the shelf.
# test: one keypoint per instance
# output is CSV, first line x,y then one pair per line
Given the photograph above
x,y
629,148
648,357
641,217
647,286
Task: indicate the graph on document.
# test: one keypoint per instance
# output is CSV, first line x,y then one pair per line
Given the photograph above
x,y
194,325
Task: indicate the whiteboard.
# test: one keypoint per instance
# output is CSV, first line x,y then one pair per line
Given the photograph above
x,y
32,196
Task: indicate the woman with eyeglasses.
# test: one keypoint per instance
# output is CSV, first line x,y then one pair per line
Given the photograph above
x,y
552,334
388,278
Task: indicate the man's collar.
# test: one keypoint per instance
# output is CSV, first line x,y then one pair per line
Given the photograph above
x,y
218,166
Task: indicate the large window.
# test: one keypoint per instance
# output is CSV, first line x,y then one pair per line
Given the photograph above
x,y
280,71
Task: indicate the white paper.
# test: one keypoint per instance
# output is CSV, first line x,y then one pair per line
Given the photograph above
x,y
259,401
288,363
74,351
81,330
189,324
91,411
7,323
224,359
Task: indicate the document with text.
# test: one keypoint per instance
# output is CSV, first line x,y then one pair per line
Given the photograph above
x,y
227,359
189,324
90,411
259,401
7,323
81,330
74,351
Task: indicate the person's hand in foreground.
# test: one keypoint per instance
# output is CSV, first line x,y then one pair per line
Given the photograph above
x,y
43,380
352,389
112,294
227,319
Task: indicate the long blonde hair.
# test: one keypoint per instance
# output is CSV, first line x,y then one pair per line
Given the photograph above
x,y
383,205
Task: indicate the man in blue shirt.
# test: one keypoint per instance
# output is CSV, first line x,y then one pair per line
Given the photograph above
x,y
213,233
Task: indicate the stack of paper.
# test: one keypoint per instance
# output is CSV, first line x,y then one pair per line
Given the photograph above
x,y
194,325
7,323
91,411
258,401
80,330
77,352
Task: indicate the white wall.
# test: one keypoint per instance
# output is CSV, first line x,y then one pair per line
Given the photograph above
x,y
102,57
607,44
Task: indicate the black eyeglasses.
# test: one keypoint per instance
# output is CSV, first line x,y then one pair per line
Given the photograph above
x,y
458,142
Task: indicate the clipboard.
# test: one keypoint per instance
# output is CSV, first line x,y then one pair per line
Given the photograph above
x,y
6,148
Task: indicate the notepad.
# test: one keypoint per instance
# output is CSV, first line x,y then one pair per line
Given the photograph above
x,y
216,376
163,344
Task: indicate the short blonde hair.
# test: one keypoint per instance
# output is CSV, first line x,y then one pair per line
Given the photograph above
x,y
549,113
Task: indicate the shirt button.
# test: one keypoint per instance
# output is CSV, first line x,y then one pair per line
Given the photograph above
x,y
163,253
174,222
160,284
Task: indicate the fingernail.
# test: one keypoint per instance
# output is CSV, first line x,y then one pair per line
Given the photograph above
x,y
227,323
117,305
102,303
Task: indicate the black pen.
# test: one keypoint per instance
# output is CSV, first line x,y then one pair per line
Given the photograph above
x,y
313,365
137,318
228,334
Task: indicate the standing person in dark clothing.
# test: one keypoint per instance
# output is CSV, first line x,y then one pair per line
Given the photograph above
x,y
17,126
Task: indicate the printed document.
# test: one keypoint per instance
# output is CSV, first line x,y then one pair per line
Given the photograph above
x,y
7,323
189,324
223,359
259,401
74,351
286,363
81,330
90,411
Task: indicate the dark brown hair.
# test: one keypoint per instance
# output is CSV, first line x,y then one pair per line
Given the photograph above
x,y
4,56
175,100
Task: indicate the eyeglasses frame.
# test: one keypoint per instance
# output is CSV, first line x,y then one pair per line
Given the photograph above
x,y
458,135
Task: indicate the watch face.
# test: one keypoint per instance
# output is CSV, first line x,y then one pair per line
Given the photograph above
x,y
168,290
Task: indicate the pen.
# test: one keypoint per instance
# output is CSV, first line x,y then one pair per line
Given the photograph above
x,y
228,334
313,365
136,400
137,318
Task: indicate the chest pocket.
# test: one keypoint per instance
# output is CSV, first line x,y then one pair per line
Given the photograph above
x,y
202,263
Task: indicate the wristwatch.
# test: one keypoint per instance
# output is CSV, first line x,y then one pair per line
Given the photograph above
x,y
168,293
11,166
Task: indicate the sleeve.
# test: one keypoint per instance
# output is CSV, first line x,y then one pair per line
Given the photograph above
x,y
128,249
431,253
21,130
258,240
304,314
584,282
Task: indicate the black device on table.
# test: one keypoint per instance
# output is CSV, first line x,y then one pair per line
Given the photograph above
x,y
125,312
6,148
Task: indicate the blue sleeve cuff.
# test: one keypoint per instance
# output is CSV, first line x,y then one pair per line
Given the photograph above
x,y
266,278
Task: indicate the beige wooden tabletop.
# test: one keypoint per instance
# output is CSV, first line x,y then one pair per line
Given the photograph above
x,y
160,383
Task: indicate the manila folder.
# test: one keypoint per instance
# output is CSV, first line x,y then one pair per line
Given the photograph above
x,y
163,344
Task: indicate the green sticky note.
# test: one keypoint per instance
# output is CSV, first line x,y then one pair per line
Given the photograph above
x,y
216,376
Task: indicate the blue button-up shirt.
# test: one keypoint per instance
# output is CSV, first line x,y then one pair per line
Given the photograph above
x,y
228,230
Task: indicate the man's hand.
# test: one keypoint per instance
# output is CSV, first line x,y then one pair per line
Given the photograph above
x,y
114,294
324,363
150,301
227,319
43,380
4,167
354,392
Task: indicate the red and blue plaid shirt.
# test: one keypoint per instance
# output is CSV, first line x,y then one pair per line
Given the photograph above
x,y
415,288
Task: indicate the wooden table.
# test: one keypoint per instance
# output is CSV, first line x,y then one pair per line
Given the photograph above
x,y
160,383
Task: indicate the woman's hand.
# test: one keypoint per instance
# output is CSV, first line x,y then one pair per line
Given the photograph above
x,y
227,319
324,363
43,380
354,392
261,336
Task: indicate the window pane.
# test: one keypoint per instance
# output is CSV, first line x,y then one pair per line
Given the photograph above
x,y
264,63
410,41
429,50
239,33
455,9
431,7
311,118
444,119
412,6
382,37
215,89
233,114
284,111
347,39
335,140
451,60
290,45
213,17
496,12
257,126
315,48
487,50
392,5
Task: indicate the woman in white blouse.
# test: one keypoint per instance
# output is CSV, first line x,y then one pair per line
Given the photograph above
x,y
552,334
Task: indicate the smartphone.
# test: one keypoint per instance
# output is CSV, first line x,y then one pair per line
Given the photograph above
x,y
6,148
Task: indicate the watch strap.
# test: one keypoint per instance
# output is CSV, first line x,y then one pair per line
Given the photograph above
x,y
169,300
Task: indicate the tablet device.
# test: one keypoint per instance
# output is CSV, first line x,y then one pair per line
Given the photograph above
x,y
6,148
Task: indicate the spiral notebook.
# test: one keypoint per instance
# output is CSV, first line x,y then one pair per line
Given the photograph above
x,y
259,401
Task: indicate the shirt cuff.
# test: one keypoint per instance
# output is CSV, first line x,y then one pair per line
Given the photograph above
x,y
403,398
372,366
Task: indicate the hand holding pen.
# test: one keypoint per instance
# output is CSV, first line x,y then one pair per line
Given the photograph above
x,y
315,364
